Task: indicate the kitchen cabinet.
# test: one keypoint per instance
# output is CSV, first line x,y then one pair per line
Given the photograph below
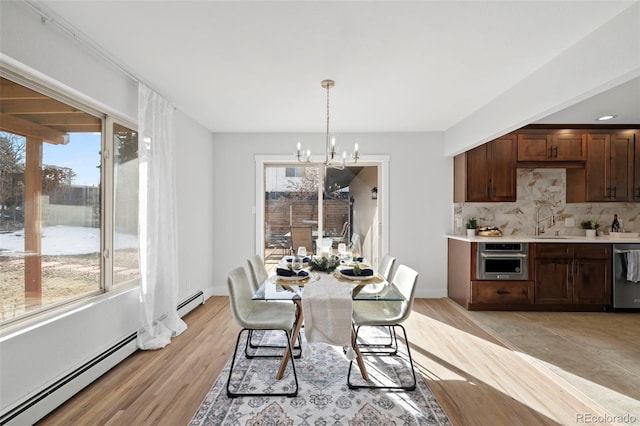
x,y
552,146
601,165
611,172
609,167
487,173
464,288
563,277
578,274
501,293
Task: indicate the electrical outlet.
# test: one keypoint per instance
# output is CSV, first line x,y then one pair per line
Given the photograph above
x,y
570,222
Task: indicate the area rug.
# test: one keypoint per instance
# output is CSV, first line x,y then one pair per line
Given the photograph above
x,y
323,395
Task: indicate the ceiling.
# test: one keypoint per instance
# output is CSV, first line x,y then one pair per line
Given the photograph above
x,y
398,66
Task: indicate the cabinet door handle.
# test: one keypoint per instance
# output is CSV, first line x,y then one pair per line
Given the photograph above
x,y
555,152
638,192
607,193
501,292
550,152
615,193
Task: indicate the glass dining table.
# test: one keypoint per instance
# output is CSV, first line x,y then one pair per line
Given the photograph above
x,y
276,288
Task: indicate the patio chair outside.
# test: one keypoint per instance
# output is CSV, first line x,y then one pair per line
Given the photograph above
x,y
301,236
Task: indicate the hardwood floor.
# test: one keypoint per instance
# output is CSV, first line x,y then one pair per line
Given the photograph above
x,y
595,352
477,379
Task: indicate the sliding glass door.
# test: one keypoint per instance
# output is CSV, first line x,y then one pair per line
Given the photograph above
x,y
325,201
290,200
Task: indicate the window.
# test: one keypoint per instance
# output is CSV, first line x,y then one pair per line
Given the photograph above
x,y
125,177
54,219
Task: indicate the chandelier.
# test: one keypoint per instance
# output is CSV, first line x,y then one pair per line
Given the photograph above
x,y
332,158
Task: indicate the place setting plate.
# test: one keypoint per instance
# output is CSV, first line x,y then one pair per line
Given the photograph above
x,y
358,278
295,280
352,264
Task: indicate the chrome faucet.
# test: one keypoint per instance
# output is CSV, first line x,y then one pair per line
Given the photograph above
x,y
551,218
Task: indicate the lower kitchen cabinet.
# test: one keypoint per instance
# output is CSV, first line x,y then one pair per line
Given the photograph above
x,y
553,281
572,274
562,277
501,292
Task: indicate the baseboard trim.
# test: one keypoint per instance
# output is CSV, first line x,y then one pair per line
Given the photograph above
x,y
92,369
49,390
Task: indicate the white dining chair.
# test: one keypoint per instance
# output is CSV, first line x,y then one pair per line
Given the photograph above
x,y
258,271
387,314
386,266
258,275
256,315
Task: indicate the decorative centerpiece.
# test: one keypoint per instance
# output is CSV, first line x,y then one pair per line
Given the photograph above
x,y
590,227
325,264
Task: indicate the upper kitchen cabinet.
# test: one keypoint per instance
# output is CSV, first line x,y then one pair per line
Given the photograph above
x,y
552,146
487,173
610,170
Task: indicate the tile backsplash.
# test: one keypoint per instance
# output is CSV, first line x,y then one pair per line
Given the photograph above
x,y
544,188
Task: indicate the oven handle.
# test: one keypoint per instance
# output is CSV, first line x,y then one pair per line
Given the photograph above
x,y
504,255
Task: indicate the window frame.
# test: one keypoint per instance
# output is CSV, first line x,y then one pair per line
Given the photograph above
x,y
68,96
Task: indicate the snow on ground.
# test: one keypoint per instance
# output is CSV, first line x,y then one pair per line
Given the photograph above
x,y
65,240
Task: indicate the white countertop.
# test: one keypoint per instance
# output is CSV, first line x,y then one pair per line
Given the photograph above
x,y
547,239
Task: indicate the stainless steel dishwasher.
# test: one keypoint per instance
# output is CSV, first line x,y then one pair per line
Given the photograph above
x,y
626,294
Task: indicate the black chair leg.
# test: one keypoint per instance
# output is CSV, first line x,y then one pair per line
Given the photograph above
x,y
231,394
255,347
392,345
410,387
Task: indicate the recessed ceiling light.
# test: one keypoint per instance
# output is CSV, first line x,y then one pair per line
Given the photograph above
x,y
606,117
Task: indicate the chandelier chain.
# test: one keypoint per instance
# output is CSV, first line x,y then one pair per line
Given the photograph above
x,y
327,136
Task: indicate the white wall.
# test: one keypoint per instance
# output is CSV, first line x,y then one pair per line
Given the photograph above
x,y
48,51
35,356
366,214
195,181
420,197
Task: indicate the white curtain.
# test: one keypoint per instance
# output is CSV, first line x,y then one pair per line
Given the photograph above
x,y
159,320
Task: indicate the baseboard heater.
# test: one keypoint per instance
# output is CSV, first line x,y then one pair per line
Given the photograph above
x,y
81,377
190,303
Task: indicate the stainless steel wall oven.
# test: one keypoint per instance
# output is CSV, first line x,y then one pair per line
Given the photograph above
x,y
503,261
